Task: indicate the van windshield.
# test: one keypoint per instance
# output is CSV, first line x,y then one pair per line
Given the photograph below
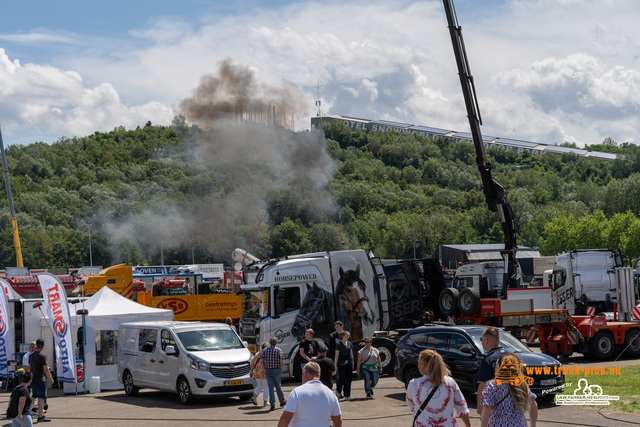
x,y
209,339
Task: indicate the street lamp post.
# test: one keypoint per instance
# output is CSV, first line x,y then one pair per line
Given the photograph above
x,y
90,252
160,151
415,242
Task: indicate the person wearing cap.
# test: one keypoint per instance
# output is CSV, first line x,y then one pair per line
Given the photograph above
x,y
326,366
40,370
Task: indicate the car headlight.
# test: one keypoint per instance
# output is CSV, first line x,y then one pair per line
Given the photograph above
x,y
199,365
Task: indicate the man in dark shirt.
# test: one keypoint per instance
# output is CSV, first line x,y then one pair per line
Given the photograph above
x,y
334,338
308,348
326,366
40,370
487,370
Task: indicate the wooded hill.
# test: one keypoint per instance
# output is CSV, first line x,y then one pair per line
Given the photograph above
x,y
194,195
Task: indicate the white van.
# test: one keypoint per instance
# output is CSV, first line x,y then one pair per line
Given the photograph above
x,y
188,358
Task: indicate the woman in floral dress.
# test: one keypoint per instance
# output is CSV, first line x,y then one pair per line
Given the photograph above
x,y
506,398
447,397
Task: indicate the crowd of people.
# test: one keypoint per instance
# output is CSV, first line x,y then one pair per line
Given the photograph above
x,y
434,398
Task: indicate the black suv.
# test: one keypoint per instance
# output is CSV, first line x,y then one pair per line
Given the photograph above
x,y
462,351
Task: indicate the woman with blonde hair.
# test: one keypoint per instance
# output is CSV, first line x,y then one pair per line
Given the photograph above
x,y
433,397
506,398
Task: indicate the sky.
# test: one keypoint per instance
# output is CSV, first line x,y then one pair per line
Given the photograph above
x,y
548,71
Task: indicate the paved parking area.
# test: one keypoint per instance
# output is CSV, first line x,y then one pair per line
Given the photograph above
x,y
387,409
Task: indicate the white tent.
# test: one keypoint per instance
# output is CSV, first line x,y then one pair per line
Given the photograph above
x,y
107,310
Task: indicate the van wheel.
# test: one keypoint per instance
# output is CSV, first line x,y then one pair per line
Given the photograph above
x,y
602,345
448,301
469,301
129,388
184,391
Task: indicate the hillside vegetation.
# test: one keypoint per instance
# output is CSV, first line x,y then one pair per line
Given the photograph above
x,y
192,194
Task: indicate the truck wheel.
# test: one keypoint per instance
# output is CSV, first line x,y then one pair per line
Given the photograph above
x,y
129,388
387,355
184,391
632,343
469,301
409,374
602,345
448,301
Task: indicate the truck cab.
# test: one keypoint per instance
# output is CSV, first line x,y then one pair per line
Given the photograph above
x,y
283,298
585,278
118,278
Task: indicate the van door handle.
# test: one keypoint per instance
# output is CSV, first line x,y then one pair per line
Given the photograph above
x,y
161,361
152,360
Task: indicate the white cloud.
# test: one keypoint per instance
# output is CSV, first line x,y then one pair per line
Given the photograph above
x,y
56,101
545,70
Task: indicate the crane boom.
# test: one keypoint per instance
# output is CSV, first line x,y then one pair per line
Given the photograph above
x,y
14,221
495,193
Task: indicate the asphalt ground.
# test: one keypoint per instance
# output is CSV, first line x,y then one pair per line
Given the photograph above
x,y
387,409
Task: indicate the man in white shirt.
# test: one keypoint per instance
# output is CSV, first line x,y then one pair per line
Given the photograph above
x,y
311,404
25,358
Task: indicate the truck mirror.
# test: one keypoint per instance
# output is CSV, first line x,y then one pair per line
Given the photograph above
x,y
170,349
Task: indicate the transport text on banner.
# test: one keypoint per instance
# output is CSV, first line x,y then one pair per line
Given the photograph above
x,y
6,339
55,301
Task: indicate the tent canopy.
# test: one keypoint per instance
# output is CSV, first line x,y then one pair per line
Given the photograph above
x,y
110,304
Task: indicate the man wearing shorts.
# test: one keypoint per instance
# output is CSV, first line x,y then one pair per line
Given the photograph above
x,y
40,370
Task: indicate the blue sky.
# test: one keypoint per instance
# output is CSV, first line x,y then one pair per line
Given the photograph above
x,y
545,70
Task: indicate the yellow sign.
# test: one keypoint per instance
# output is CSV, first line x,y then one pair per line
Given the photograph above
x,y
200,307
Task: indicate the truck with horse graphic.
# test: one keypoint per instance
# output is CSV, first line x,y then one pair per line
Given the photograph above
x,y
373,298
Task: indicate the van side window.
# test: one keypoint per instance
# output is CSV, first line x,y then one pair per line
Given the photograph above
x,y
147,341
167,339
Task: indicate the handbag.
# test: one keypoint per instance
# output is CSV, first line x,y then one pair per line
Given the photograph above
x,y
501,400
424,405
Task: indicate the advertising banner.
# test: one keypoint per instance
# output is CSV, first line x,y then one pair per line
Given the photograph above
x,y
59,319
200,307
8,290
6,339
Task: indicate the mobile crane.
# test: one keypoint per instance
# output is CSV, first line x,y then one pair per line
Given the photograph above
x,y
559,333
14,221
495,193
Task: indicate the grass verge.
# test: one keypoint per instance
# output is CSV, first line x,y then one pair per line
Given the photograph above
x,y
621,381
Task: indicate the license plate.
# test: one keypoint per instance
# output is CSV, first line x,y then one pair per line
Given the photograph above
x,y
236,382
548,382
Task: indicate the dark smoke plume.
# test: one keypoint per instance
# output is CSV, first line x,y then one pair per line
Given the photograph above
x,y
247,157
236,93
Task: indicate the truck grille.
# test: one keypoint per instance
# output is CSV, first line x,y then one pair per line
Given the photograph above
x,y
230,370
